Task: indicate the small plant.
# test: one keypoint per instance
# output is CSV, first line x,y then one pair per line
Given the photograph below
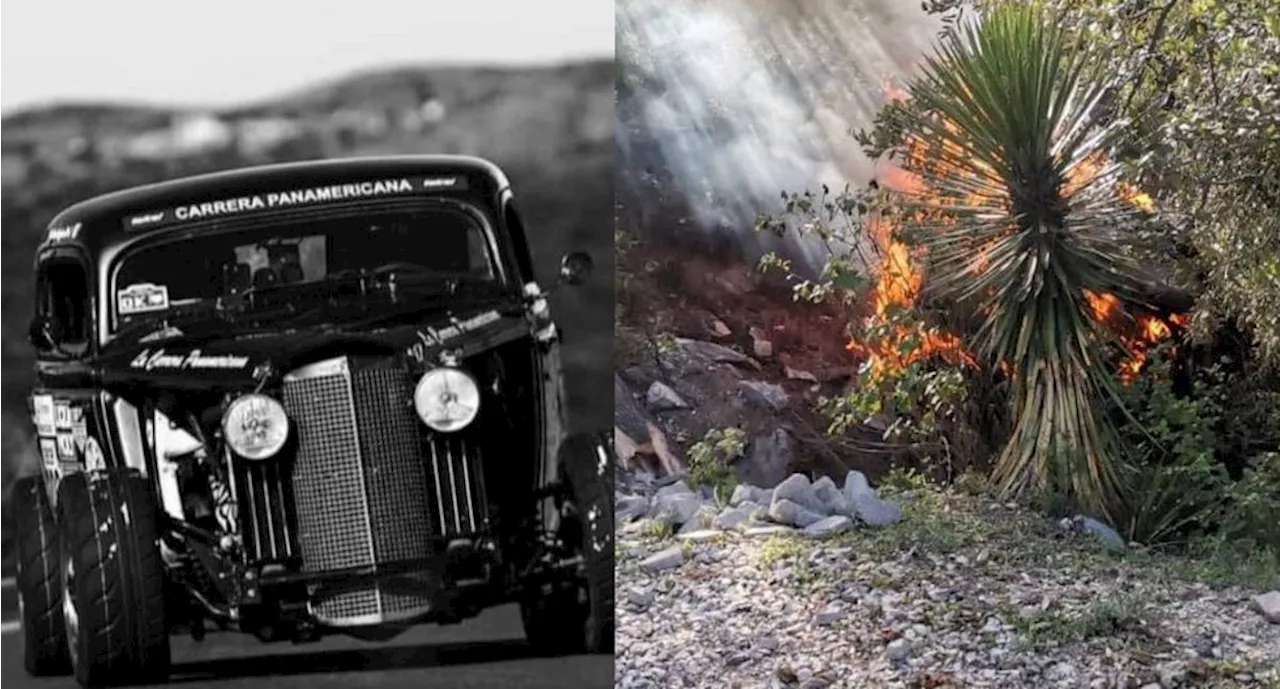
x,y
709,460
778,548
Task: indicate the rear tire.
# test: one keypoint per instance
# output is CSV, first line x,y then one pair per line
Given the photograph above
x,y
39,547
577,615
113,579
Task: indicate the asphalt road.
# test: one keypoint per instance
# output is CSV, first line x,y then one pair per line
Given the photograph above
x,y
488,651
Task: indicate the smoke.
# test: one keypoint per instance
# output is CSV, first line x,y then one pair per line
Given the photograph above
x,y
740,100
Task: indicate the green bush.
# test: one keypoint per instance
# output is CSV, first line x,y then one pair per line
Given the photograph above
x,y
710,457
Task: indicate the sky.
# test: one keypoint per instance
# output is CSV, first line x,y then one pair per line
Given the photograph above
x,y
228,52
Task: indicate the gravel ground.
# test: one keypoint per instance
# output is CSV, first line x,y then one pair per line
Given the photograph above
x,y
963,592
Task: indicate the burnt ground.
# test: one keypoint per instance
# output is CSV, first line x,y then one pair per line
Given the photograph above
x,y
679,285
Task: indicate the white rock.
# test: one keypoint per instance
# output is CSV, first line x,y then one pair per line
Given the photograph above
x,y
700,536
661,397
732,518
766,531
792,514
797,489
898,650
829,616
1269,605
677,488
868,506
669,558
679,508
829,526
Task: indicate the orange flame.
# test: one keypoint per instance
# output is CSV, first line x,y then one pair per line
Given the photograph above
x,y
900,279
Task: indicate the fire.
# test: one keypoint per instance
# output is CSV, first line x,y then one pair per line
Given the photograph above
x,y
900,277
1137,335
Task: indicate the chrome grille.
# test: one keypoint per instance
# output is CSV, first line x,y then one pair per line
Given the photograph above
x,y
457,482
366,484
334,530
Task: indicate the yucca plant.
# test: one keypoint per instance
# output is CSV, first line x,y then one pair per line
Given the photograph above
x,y
1017,212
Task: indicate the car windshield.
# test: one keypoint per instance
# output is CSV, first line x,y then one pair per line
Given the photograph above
x,y
289,259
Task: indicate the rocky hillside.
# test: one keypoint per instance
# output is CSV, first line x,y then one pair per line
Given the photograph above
x,y
811,585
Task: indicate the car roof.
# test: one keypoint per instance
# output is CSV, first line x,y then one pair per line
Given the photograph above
x,y
98,223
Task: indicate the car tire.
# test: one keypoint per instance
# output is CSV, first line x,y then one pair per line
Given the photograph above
x,y
39,551
578,616
113,579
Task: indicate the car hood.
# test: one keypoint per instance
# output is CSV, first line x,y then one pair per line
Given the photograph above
x,y
260,358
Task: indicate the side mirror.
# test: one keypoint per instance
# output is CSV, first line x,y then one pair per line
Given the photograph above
x,y
41,334
575,267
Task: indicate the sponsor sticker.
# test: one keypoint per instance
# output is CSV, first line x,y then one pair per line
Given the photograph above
x,y
49,454
93,457
149,360
142,298
67,448
434,337
42,409
79,427
296,198
64,233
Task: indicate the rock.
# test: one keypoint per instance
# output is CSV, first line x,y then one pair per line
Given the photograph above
x,y
898,650
628,416
662,560
786,512
1110,539
661,397
868,506
765,394
702,519
1269,605
732,518
624,446
630,507
679,508
797,374
718,328
829,526
747,493
700,535
678,487
797,489
711,352
827,493
829,615
769,530
640,597
770,460
760,343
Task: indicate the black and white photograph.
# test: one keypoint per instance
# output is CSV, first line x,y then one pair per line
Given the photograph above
x,y
307,341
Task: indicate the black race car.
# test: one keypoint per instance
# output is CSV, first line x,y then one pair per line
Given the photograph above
x,y
299,400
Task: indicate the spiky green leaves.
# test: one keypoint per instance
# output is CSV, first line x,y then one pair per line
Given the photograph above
x,y
1017,209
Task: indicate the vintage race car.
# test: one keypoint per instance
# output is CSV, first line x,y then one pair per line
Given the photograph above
x,y
300,400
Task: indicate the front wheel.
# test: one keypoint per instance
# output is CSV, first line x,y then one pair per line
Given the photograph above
x,y
112,579
39,549
577,615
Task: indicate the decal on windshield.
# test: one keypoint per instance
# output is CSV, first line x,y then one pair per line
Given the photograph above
x,y
433,337
149,360
295,198
142,298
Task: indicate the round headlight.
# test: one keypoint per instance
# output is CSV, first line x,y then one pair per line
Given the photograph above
x,y
255,426
447,399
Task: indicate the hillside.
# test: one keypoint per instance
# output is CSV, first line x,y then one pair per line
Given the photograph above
x,y
549,127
